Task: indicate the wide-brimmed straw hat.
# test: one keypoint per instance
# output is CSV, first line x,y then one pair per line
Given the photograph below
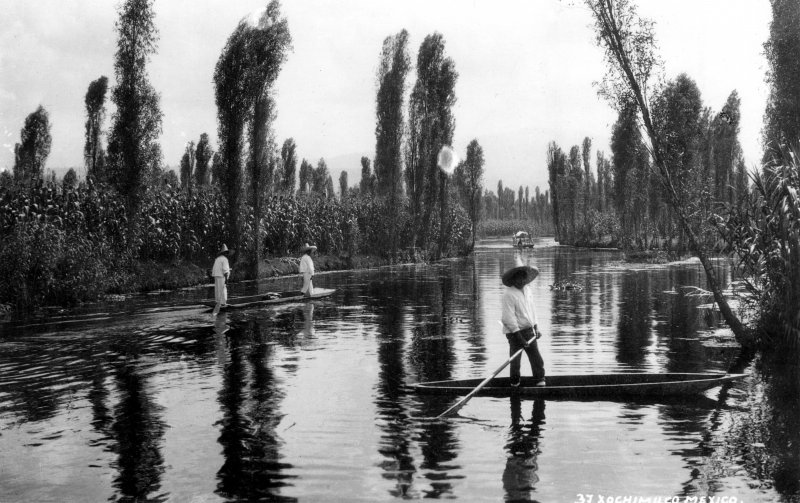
x,y
307,247
527,271
222,250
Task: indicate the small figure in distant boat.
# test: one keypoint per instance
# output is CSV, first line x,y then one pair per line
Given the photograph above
x,y
519,321
307,269
221,272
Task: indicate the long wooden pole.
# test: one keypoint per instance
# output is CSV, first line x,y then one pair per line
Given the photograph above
x,y
463,401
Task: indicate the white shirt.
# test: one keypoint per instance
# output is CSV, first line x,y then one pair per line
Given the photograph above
x,y
221,267
306,265
518,310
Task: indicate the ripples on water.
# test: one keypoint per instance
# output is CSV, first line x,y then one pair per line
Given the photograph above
x,y
152,399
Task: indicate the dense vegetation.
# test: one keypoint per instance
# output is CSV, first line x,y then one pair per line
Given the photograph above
x,y
625,203
68,241
701,182
674,180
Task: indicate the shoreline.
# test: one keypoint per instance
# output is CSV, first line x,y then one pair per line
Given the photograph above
x,y
157,277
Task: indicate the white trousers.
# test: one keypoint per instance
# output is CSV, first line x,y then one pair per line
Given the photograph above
x,y
308,284
220,292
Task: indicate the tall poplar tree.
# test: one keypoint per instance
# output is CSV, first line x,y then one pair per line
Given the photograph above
x,y
305,177
244,75
34,147
288,165
187,166
343,185
727,149
392,71
473,184
133,150
782,115
203,156
93,152
367,184
431,116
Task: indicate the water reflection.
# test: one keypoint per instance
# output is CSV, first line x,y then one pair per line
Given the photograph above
x,y
138,437
103,394
634,319
250,402
522,446
308,320
393,419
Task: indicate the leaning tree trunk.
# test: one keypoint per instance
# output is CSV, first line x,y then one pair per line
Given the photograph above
x,y
614,39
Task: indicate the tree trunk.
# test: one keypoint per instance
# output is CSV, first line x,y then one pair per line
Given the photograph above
x,y
616,45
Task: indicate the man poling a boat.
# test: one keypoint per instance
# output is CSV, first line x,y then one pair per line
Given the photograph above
x,y
307,269
519,321
220,272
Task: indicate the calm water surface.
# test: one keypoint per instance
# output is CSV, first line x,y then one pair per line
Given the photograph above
x,y
151,399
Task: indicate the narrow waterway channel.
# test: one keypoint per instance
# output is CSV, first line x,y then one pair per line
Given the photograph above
x,y
153,399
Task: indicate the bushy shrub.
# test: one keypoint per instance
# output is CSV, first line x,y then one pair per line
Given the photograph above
x,y
41,263
765,235
506,228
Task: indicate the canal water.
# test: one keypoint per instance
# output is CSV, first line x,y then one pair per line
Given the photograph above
x,y
152,399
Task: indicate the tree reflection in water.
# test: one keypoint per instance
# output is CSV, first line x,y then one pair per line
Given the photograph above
x,y
139,433
519,476
634,318
392,416
757,435
250,399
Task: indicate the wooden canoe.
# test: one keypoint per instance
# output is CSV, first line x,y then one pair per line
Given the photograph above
x,y
271,298
586,386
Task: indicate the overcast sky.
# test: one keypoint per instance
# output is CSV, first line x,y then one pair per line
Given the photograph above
x,y
525,68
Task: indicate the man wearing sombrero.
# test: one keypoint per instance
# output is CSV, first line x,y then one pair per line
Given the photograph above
x,y
220,272
307,269
519,321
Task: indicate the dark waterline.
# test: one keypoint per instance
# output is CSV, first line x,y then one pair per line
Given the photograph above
x,y
152,399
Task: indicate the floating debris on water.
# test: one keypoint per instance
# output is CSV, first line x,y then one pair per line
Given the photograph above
x,y
565,285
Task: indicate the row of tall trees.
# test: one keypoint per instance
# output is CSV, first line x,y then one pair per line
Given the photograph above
x,y
624,201
243,80
668,125
579,198
518,204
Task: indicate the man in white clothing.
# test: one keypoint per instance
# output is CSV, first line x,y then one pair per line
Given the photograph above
x,y
519,321
220,272
307,269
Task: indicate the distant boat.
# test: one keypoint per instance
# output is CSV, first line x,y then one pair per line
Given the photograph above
x,y
522,240
271,298
586,386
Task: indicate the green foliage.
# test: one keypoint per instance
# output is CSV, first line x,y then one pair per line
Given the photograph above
x,y
782,115
34,147
676,118
244,74
93,153
431,126
203,156
367,184
176,224
319,180
305,178
288,166
42,263
492,227
187,166
70,179
343,189
392,71
765,235
469,180
133,151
